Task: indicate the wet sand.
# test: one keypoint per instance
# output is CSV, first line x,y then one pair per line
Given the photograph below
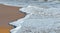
x,y
8,14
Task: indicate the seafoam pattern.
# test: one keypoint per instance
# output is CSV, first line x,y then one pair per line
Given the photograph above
x,y
25,3
36,23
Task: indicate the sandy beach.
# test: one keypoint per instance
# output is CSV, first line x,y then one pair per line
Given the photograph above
x,y
8,14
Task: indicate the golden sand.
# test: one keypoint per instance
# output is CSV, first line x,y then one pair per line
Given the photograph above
x,y
8,14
